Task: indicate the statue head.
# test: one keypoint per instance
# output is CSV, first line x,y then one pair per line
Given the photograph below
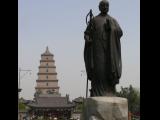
x,y
104,6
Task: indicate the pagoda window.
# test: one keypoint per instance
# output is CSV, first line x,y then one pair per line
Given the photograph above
x,y
46,70
47,77
46,84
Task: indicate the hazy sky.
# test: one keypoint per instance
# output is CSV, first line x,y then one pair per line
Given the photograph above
x,y
60,24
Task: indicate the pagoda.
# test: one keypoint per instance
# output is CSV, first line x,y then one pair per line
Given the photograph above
x,y
47,83
48,102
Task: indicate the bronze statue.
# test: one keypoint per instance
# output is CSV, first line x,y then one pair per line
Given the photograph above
x,y
102,52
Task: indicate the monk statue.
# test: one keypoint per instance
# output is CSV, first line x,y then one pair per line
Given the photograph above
x,y
102,52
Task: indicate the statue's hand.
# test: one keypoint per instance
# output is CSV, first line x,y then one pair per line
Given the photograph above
x,y
87,39
108,24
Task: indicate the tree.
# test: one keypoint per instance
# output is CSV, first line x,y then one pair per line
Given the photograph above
x,y
133,96
22,106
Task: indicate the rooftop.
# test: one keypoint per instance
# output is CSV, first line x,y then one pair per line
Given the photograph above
x,y
78,100
52,102
47,52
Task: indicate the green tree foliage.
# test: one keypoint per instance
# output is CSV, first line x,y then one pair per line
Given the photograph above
x,y
133,96
22,106
79,107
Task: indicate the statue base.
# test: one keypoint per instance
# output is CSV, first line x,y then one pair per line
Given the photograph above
x,y
105,108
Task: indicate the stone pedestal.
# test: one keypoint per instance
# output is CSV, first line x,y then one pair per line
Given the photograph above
x,y
105,108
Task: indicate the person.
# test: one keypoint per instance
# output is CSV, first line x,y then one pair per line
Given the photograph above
x,y
102,52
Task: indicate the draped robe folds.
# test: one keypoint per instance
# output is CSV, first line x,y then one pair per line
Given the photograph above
x,y
102,55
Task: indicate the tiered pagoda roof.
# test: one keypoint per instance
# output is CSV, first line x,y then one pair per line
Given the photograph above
x,y
52,102
47,52
47,90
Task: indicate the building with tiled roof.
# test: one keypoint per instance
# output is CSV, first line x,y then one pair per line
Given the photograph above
x,y
48,101
47,82
52,102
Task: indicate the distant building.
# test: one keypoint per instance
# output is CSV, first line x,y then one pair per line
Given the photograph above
x,y
79,100
23,111
48,101
22,114
78,108
47,82
78,104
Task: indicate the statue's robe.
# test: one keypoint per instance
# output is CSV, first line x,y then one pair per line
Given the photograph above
x,y
102,55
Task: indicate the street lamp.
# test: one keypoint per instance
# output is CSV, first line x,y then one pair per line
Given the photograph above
x,y
20,70
19,89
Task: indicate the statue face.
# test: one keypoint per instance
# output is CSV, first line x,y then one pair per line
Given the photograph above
x,y
104,7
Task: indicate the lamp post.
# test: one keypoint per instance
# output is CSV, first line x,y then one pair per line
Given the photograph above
x,y
19,88
20,70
